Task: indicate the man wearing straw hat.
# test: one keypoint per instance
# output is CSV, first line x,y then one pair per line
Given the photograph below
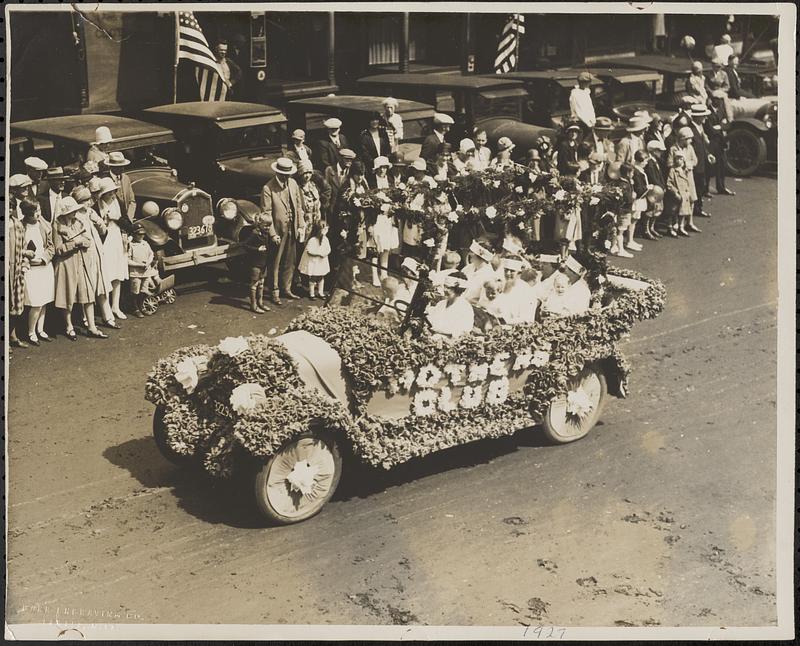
x,y
282,200
112,166
633,141
51,201
601,133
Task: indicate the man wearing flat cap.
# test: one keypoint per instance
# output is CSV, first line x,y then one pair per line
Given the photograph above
x,y
19,186
36,169
580,102
298,149
441,126
327,149
337,176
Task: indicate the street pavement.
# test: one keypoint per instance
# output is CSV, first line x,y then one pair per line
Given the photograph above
x,y
663,515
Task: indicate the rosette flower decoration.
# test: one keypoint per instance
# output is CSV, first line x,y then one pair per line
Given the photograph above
x,y
579,403
233,345
425,402
491,212
186,375
246,397
560,195
497,392
471,396
498,367
429,375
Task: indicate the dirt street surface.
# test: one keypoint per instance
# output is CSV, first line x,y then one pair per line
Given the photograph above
x,y
663,515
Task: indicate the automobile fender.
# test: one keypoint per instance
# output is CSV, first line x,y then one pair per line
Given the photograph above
x,y
524,135
154,233
245,217
750,123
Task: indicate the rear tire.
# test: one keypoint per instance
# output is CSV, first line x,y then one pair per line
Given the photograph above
x,y
162,442
747,151
297,482
560,425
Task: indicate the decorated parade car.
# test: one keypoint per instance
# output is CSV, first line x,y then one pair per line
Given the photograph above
x,y
494,104
178,218
369,379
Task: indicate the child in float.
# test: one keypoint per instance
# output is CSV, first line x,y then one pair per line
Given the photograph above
x,y
556,301
257,244
144,278
679,183
450,263
314,262
490,290
396,299
518,302
478,270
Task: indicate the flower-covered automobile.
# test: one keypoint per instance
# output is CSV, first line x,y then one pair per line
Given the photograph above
x,y
345,378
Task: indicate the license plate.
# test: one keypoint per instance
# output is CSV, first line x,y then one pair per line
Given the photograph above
x,y
199,231
222,410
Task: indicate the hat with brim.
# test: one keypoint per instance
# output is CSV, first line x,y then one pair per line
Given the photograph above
x,y
685,133
457,280
346,153
305,166
441,119
655,144
700,110
419,164
81,194
116,158
34,163
299,135
550,259
107,185
635,124
381,162
596,157
466,145
69,205
603,123
102,135
332,124
284,166
644,115
573,127
574,266
584,77
410,265
55,173
533,155
504,143
719,94
688,101
19,180
482,252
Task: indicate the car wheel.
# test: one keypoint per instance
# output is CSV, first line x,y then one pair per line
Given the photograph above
x,y
150,304
162,442
169,296
747,151
571,416
299,479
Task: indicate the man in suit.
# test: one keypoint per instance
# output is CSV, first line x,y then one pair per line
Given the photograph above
x,y
430,146
700,144
633,141
51,201
112,167
230,69
298,150
592,176
36,168
716,129
282,200
600,139
374,143
337,176
735,90
19,186
327,149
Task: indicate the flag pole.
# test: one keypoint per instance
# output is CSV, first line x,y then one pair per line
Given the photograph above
x,y
175,64
516,45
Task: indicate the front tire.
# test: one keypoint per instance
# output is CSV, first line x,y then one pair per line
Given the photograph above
x,y
299,479
571,416
747,151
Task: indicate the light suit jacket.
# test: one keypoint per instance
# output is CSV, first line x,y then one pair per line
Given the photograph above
x,y
278,203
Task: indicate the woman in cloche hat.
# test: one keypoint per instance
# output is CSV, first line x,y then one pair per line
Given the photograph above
x,y
77,272
116,260
502,160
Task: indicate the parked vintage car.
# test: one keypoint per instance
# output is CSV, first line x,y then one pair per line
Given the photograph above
x,y
752,132
354,113
178,218
494,104
284,410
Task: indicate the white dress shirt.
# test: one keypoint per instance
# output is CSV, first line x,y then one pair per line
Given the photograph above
x,y
581,106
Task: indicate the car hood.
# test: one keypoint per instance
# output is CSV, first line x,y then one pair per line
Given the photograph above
x,y
524,135
155,183
250,168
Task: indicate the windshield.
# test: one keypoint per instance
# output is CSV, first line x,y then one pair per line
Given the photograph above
x,y
416,129
632,92
266,138
484,108
355,286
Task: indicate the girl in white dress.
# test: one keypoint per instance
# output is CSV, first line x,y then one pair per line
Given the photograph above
x,y
114,253
385,232
314,262
39,279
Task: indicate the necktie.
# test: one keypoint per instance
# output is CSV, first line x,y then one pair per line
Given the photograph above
x,y
56,207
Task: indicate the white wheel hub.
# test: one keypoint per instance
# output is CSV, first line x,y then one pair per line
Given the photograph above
x,y
301,477
579,403
569,414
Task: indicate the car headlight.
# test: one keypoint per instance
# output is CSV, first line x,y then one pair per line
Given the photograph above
x,y
767,119
173,218
227,208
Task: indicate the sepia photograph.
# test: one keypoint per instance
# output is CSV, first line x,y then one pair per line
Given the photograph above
x,y
388,321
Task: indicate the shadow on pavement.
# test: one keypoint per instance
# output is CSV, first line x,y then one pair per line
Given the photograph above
x,y
362,481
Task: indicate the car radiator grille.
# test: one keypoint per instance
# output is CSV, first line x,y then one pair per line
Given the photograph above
x,y
196,208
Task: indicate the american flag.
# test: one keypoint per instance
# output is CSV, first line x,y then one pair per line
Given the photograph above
x,y
506,59
193,46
